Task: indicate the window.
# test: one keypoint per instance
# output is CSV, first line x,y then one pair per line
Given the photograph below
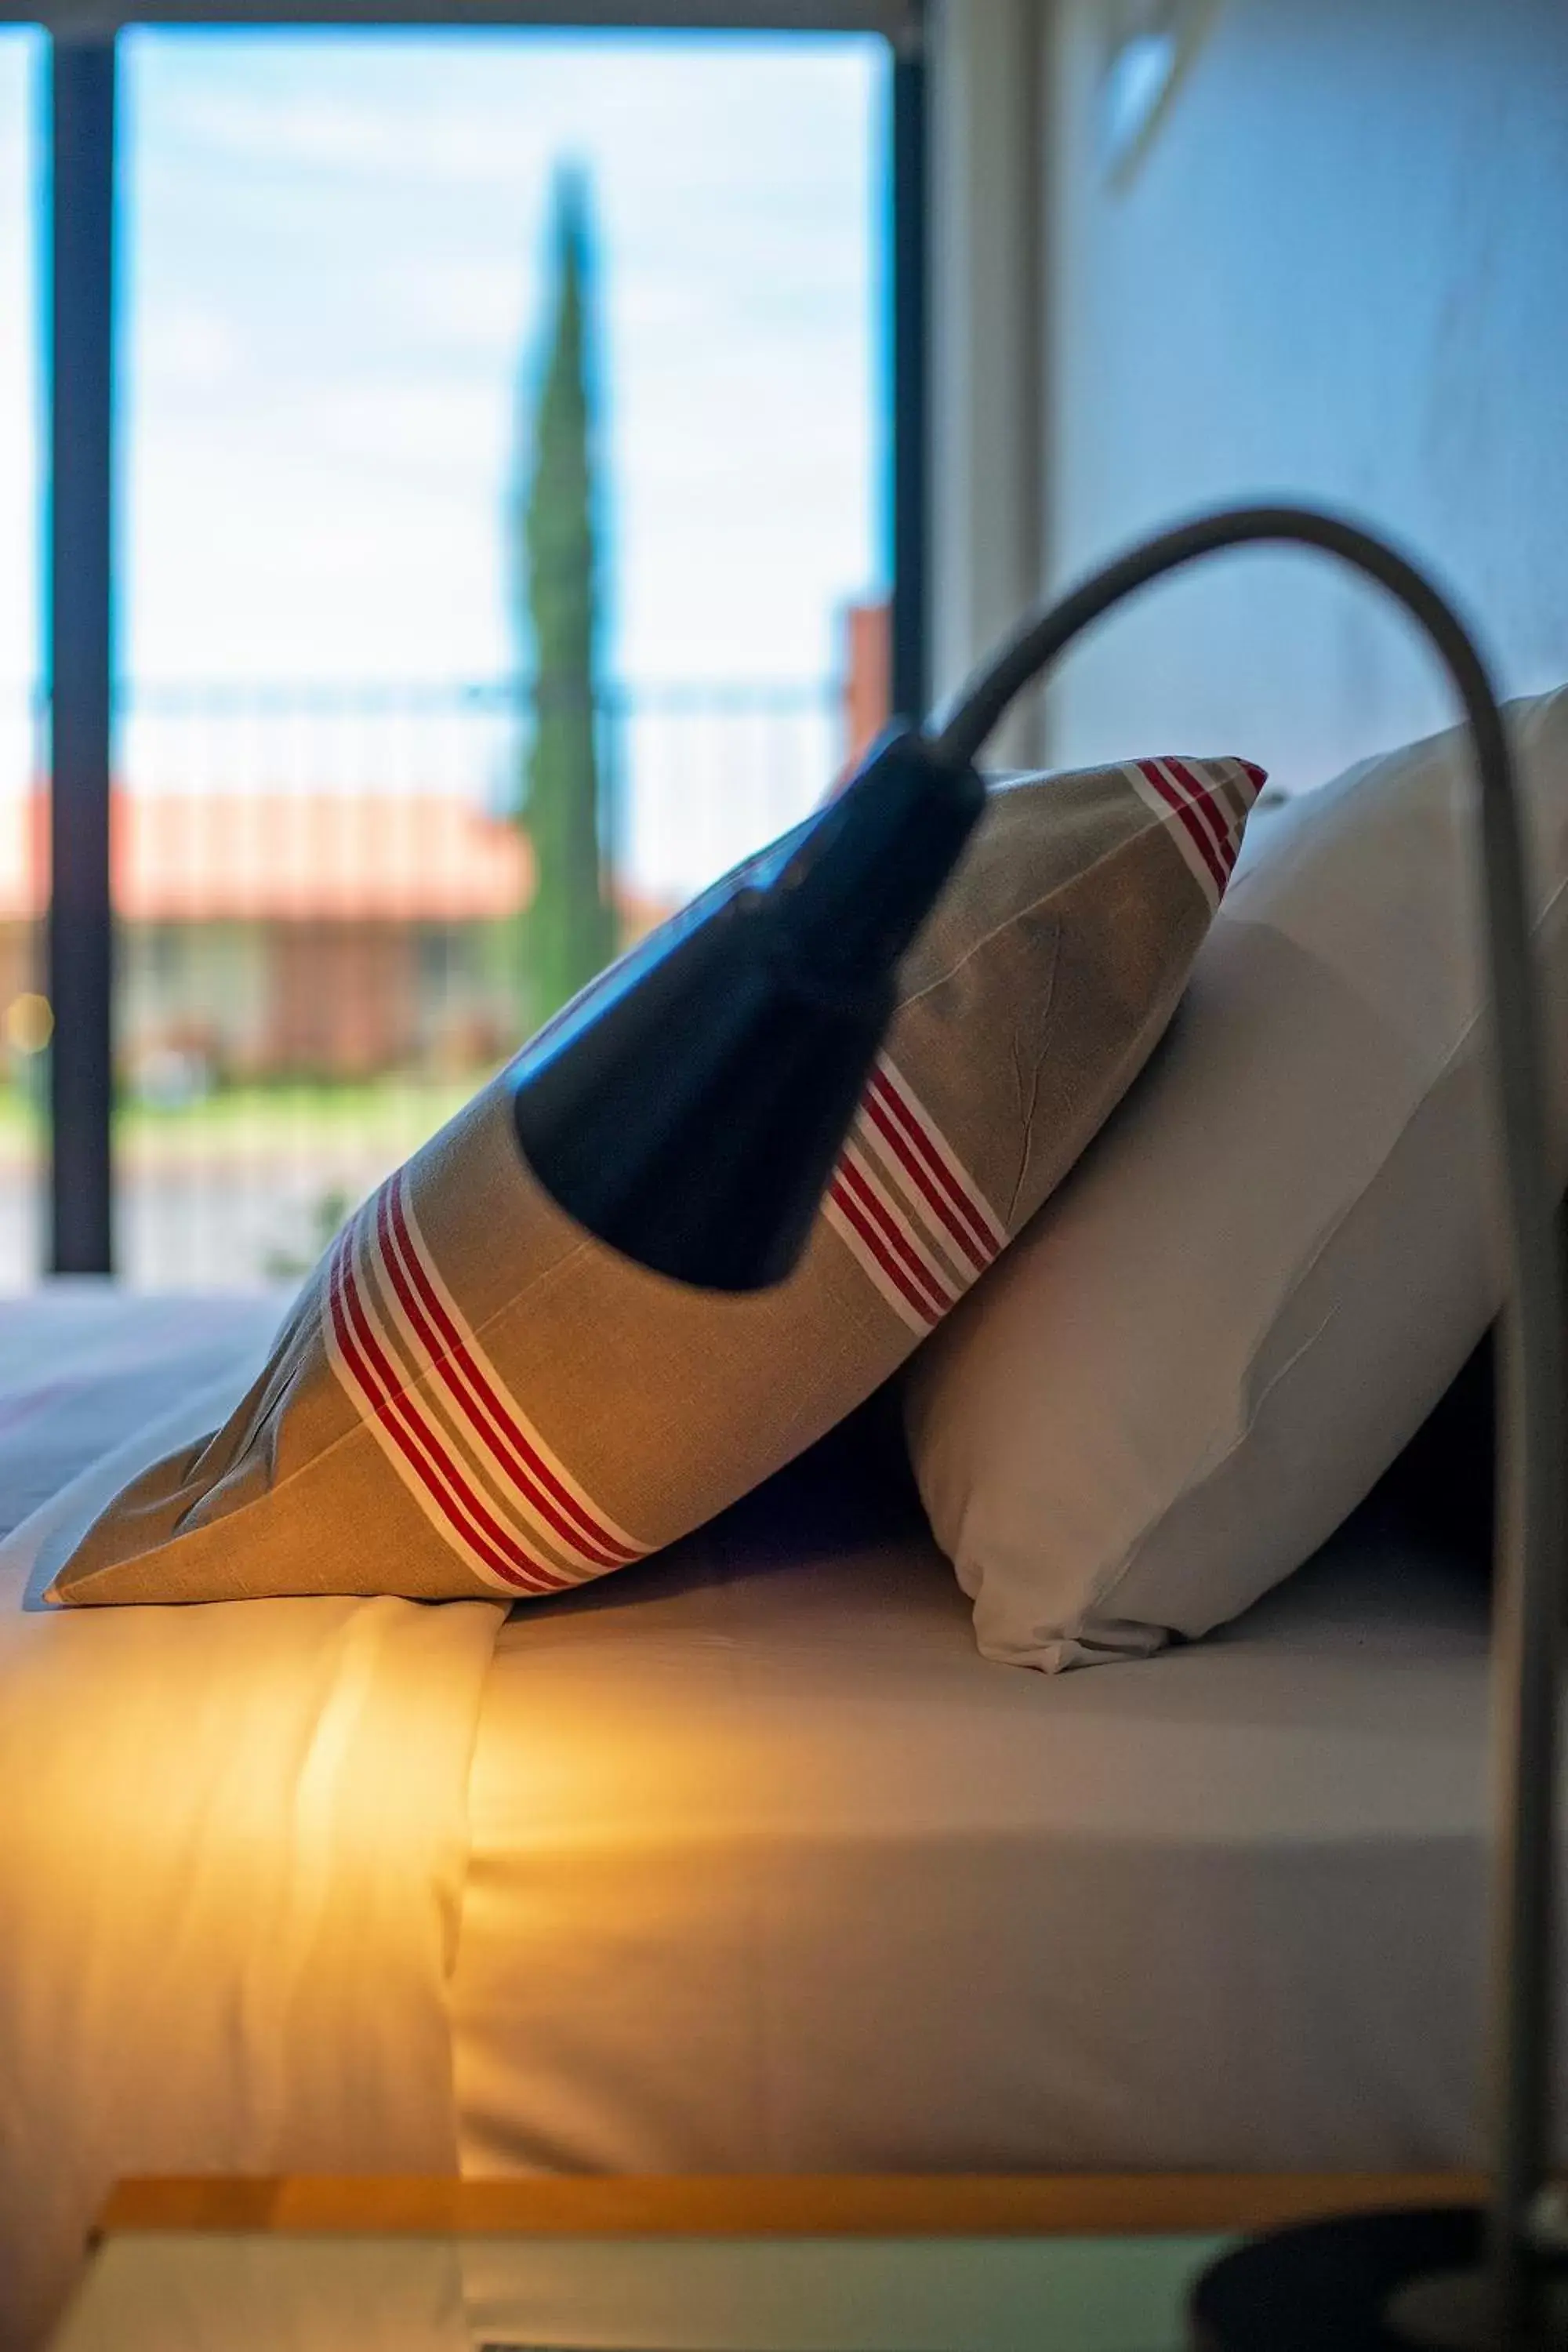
x,y
403,314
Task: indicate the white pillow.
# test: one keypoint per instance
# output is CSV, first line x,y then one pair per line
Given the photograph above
x,y
1266,1270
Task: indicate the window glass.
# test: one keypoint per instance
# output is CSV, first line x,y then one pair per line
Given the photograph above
x,y
432,346
25,1021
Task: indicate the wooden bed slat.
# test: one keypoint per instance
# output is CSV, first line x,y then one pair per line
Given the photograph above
x,y
820,2205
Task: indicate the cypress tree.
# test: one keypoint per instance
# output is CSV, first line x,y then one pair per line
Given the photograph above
x,y
569,929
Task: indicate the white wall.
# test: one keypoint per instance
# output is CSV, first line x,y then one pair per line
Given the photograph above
x,y
987,180
1340,270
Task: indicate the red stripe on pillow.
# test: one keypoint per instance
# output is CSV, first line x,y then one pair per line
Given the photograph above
x,y
1181,808
919,1175
1201,797
572,1497
396,1409
1211,798
487,1417
892,1091
404,1428
904,1220
373,1406
844,1200
937,1285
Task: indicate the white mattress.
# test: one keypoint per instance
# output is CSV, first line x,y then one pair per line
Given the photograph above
x,y
770,1870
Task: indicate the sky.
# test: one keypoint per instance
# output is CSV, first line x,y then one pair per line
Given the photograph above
x,y
332,285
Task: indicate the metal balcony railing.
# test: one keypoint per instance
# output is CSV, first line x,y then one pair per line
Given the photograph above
x,y
322,893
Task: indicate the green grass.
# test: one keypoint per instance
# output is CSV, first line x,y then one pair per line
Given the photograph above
x,y
21,1124
371,1110
380,1118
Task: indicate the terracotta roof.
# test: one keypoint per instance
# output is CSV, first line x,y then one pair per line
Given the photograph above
x,y
286,857
24,850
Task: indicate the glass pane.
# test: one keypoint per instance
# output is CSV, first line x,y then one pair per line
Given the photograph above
x,y
502,559
24,1010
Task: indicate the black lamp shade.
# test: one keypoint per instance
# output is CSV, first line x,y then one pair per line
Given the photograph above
x,y
689,1110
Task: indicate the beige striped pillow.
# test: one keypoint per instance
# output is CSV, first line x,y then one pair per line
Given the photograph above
x,y
472,1395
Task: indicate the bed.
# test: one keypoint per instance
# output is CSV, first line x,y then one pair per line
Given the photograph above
x,y
742,1860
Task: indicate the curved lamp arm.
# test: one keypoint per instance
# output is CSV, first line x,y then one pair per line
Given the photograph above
x,y
1531,1424
689,1107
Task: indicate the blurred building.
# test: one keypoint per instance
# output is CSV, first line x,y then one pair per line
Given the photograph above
x,y
312,935
867,656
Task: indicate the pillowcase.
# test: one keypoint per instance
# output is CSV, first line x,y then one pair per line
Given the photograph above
x,y
472,1394
1271,1265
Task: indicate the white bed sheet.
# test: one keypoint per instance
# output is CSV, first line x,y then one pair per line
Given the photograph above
x,y
233,1838
769,1869
83,1366
765,1867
